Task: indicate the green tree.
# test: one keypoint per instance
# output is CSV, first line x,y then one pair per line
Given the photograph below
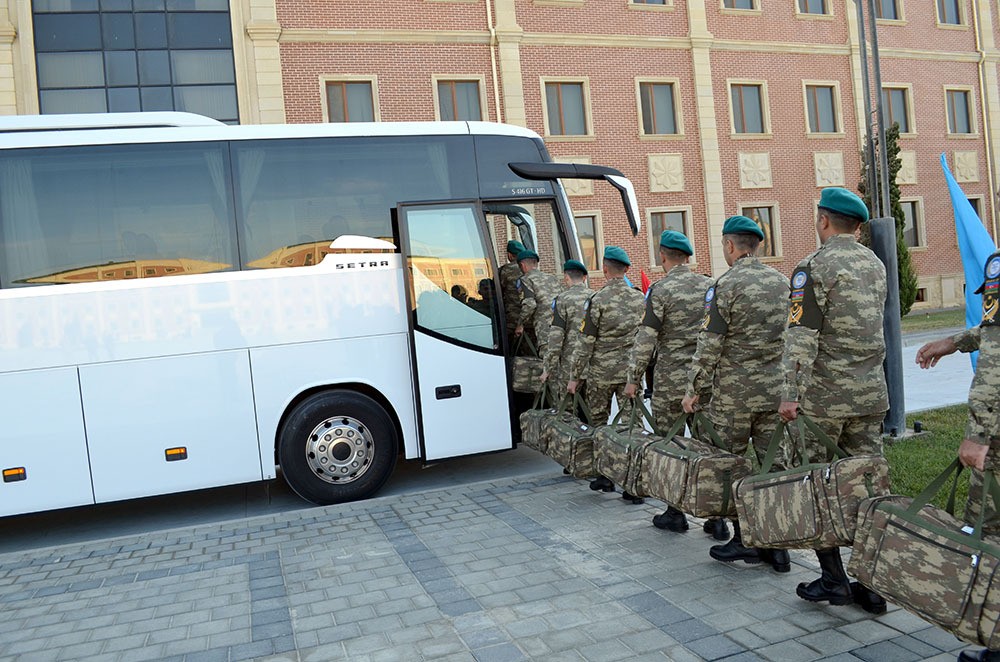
x,y
907,273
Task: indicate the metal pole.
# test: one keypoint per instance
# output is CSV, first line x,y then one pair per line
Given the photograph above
x,y
884,244
871,175
883,157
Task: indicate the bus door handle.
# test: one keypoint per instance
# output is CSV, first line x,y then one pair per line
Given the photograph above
x,y
446,392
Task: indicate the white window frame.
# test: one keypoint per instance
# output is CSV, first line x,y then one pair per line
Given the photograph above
x,y
459,78
921,224
668,5
588,114
678,111
654,241
776,217
765,109
810,16
910,117
837,106
349,78
900,19
598,234
963,19
973,124
755,10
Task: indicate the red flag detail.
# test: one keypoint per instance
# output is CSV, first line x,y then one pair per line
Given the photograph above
x,y
645,281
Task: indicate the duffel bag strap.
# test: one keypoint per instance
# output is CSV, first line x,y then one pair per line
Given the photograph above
x,y
676,427
539,401
773,445
804,421
704,424
580,403
922,499
637,401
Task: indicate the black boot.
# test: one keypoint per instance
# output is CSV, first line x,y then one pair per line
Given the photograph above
x,y
602,484
632,498
734,549
672,520
778,558
984,655
832,585
868,599
716,528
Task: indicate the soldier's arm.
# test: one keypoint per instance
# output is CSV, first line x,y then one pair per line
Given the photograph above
x,y
968,340
584,349
645,339
557,336
805,319
528,303
711,342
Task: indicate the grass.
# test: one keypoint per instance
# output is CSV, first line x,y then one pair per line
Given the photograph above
x,y
913,463
942,319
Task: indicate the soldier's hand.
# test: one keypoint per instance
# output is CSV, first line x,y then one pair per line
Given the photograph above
x,y
972,454
519,330
931,353
544,376
630,390
788,411
690,403
571,387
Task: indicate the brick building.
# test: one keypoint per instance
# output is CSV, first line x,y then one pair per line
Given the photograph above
x,y
712,107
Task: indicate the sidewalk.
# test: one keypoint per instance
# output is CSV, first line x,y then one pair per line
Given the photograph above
x,y
947,383
536,568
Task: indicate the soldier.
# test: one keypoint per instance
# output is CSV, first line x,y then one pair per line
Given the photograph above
x,y
509,275
537,289
834,350
609,324
674,312
739,358
567,316
979,447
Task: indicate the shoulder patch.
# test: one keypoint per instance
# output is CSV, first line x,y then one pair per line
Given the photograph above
x,y
713,318
518,283
991,293
802,307
993,268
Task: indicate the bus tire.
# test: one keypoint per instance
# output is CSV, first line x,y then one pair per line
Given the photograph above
x,y
337,446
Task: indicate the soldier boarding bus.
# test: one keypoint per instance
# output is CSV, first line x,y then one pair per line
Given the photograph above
x,y
185,304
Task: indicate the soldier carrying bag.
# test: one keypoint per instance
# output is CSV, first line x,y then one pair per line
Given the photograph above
x,y
570,441
531,422
692,475
925,560
526,370
619,448
813,506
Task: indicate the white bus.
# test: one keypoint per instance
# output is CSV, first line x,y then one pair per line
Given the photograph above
x,y
185,304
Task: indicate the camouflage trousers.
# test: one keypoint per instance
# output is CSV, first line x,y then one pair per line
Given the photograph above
x,y
861,435
991,521
599,400
737,429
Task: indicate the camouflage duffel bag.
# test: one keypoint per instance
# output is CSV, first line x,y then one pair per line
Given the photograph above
x,y
570,441
692,475
813,506
619,448
531,423
924,559
526,370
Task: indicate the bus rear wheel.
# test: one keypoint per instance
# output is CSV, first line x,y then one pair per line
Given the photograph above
x,y
337,446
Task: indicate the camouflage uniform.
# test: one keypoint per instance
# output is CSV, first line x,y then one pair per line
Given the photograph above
x,y
674,312
984,425
835,347
739,353
564,334
612,316
509,275
537,290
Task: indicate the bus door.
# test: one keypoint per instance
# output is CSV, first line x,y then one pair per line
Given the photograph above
x,y
460,373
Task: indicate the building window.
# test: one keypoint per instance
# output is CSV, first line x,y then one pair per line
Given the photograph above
x,y
590,241
349,101
975,202
765,218
959,118
949,12
896,107
178,57
739,4
459,100
921,295
649,2
659,115
566,109
813,7
821,108
887,9
666,219
912,223
748,108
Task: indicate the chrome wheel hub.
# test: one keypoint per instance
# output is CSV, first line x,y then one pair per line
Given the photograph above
x,y
340,449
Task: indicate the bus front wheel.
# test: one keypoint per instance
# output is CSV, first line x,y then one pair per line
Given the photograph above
x,y
337,446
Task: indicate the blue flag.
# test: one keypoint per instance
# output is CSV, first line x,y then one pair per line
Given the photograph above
x,y
628,282
975,246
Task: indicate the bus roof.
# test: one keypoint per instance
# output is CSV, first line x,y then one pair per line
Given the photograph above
x,y
27,131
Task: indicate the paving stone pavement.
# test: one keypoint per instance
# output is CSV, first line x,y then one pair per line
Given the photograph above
x,y
530,568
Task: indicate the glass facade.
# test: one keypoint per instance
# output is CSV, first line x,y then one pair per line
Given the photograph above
x,y
135,55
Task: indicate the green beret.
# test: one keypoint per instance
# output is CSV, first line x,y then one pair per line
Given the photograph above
x,y
527,255
514,247
845,202
742,225
677,241
617,254
574,265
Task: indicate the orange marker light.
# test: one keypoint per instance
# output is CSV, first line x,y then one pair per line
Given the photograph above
x,y
15,474
174,454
